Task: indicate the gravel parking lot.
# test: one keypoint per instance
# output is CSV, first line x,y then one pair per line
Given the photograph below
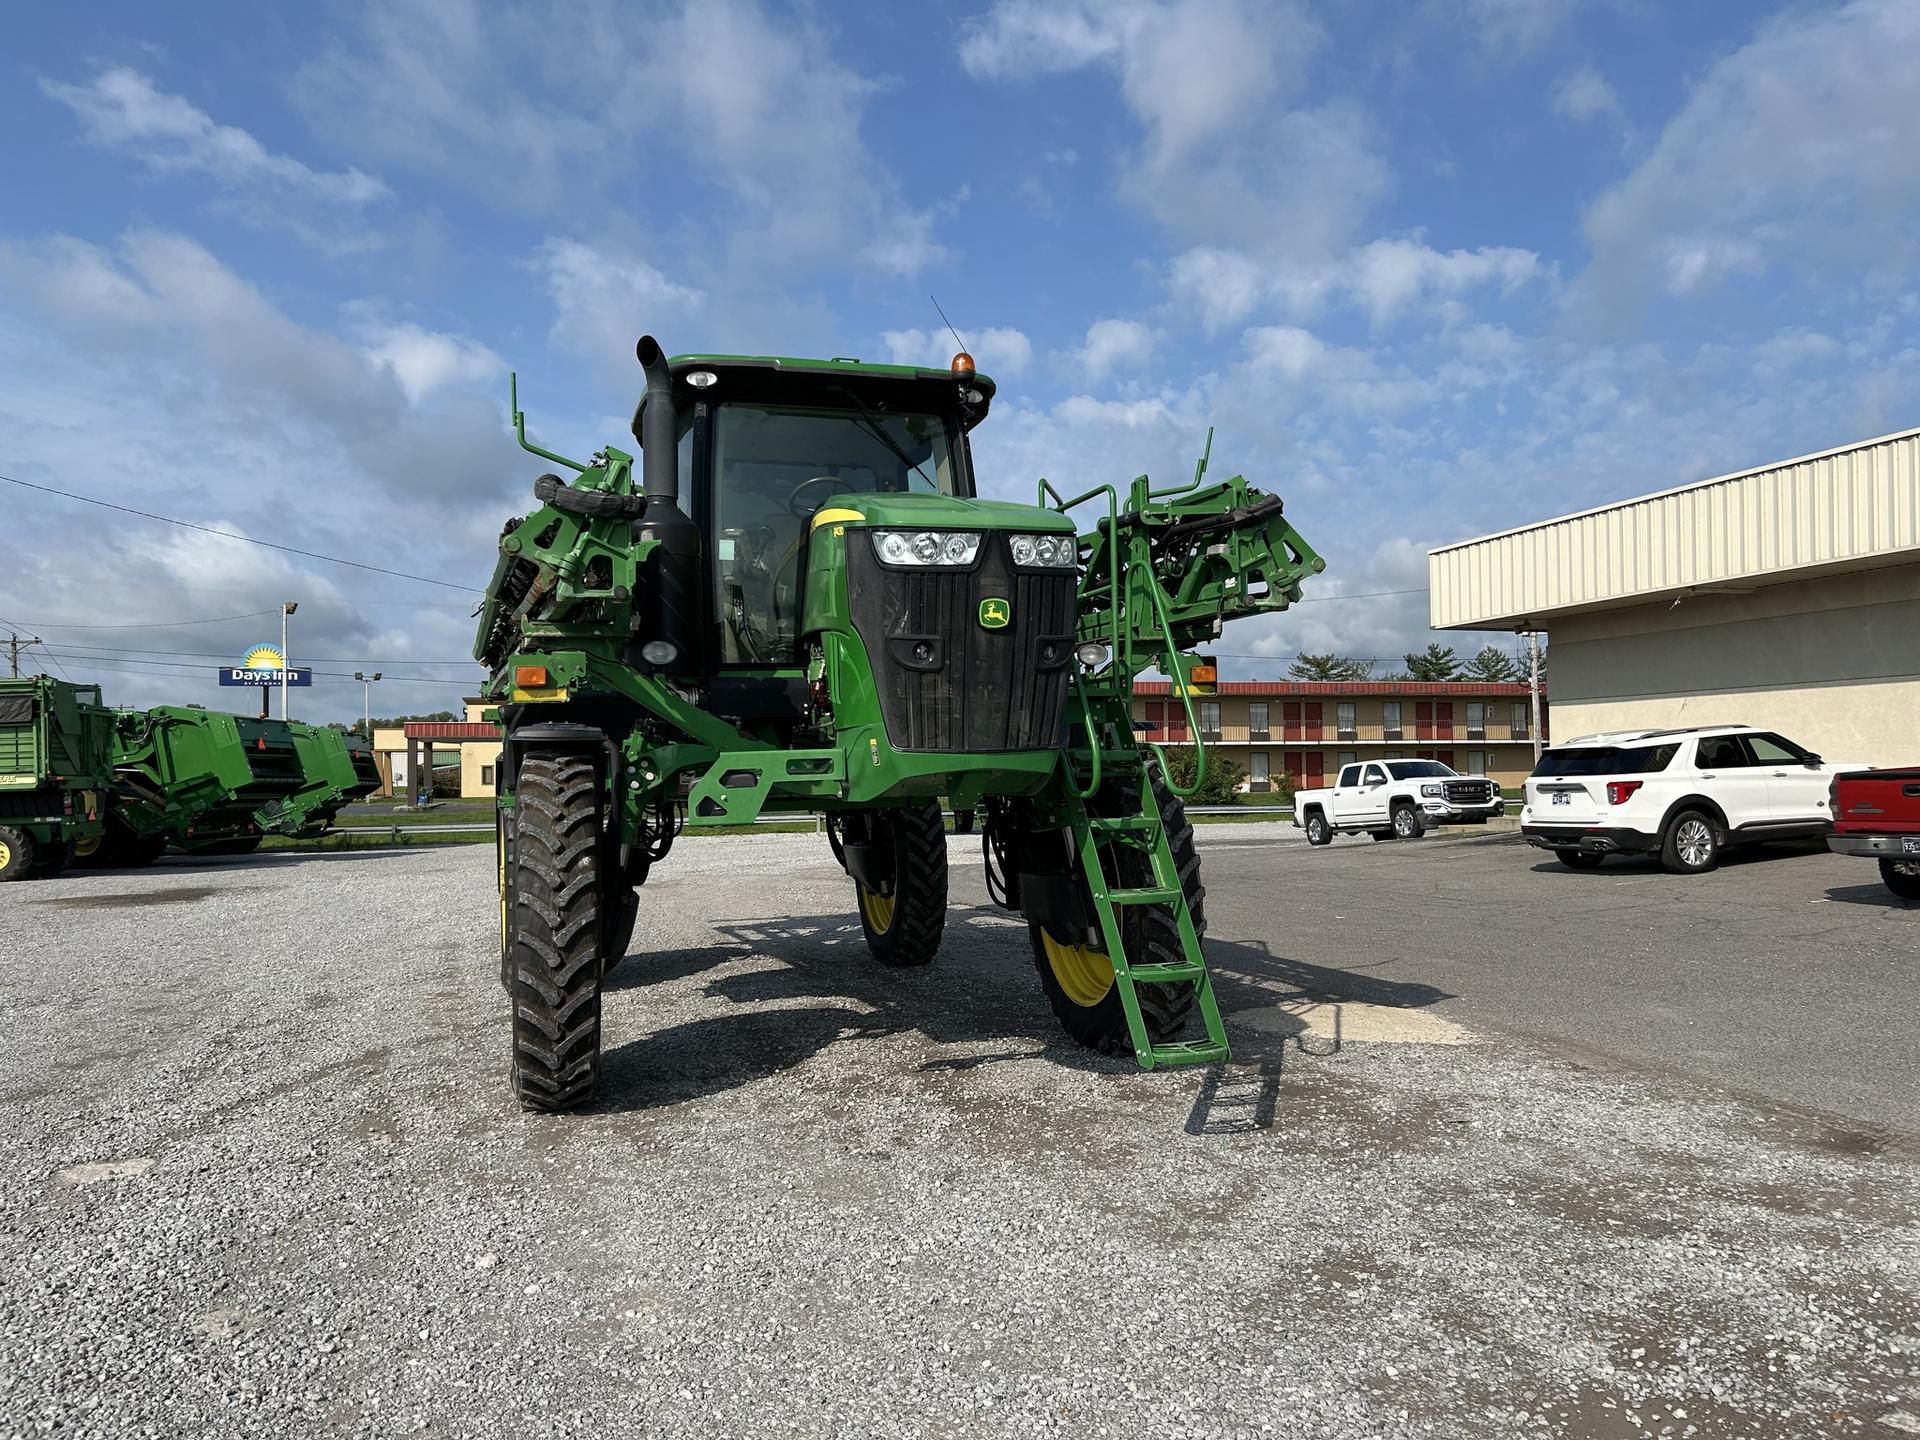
x,y
1475,1171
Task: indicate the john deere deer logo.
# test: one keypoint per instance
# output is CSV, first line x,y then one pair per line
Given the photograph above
x,y
994,614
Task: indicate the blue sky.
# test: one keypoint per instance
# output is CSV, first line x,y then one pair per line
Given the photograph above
x,y
1431,270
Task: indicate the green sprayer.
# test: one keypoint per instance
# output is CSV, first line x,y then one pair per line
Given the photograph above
x,y
794,602
56,764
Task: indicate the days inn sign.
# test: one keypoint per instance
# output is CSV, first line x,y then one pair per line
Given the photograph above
x,y
264,665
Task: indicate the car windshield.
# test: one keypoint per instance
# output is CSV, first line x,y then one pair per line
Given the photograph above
x,y
1419,769
1607,760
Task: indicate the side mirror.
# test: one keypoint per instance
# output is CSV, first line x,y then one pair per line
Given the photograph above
x,y
1812,762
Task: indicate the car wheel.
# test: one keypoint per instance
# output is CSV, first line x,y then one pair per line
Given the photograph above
x,y
1580,859
1318,831
1406,823
1902,877
1692,846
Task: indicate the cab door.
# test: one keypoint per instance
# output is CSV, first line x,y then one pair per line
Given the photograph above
x,y
1370,800
1346,786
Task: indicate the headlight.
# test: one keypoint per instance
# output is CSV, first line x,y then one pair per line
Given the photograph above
x,y
1058,552
926,547
1432,792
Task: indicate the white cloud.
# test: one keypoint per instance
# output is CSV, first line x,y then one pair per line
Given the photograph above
x,y
1384,277
1797,149
1227,155
997,350
605,299
1583,94
424,361
1511,29
122,110
1114,345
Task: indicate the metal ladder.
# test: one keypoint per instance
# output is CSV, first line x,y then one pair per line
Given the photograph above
x,y
1144,832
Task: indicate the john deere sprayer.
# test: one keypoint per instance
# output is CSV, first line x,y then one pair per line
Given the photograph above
x,y
795,603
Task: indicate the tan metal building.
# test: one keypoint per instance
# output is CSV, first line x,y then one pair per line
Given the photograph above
x,y
1786,597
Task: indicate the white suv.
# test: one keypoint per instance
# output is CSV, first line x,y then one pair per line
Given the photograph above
x,y
1685,795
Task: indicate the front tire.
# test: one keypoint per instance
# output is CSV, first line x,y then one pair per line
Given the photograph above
x,y
1078,980
553,920
1407,824
16,853
1902,877
1318,831
1692,844
903,929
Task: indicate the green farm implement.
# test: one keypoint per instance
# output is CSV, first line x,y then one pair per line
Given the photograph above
x,y
195,780
55,770
795,602
335,768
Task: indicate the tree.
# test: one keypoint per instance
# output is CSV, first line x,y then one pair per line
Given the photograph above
x,y
1493,665
1438,662
1329,667
1219,786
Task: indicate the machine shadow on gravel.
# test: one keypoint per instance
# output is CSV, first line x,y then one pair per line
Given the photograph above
x,y
984,990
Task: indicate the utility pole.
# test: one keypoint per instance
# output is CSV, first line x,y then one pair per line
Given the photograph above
x,y
14,642
1533,685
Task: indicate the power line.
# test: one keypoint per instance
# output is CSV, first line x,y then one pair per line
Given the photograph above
x,y
176,665
313,659
152,625
232,535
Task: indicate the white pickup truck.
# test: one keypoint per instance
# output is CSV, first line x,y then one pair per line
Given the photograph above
x,y
1395,800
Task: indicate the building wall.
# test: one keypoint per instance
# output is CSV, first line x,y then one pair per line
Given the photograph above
x,y
1833,663
478,760
1501,747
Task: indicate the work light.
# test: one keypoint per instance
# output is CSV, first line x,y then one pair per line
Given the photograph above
x,y
926,547
1057,552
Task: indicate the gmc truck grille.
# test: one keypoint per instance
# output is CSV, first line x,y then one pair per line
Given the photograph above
x,y
1468,792
946,681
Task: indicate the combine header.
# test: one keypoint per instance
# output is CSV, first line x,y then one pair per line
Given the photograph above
x,y
796,603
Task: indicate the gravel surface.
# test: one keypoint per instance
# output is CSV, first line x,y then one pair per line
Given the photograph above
x,y
263,1175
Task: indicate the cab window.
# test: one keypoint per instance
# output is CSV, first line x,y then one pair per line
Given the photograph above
x,y
1722,752
1774,750
774,466
1374,776
1349,777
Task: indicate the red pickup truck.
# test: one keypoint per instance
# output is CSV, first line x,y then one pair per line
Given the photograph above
x,y
1877,813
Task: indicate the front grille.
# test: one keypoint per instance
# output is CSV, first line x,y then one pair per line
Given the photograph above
x,y
1468,792
947,682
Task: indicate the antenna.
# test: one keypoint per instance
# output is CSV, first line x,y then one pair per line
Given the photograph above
x,y
949,324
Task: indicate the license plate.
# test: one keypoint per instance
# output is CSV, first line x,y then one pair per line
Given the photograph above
x,y
1563,797
1910,844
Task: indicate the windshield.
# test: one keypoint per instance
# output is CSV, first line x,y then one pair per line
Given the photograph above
x,y
1607,760
773,467
1419,769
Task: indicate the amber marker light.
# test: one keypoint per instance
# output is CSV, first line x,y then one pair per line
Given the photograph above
x,y
530,677
963,366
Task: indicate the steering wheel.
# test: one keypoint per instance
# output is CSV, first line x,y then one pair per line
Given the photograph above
x,y
793,499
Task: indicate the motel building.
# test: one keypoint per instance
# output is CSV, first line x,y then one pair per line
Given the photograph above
x,y
1308,729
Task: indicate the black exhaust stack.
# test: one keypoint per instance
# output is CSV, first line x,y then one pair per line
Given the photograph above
x,y
673,612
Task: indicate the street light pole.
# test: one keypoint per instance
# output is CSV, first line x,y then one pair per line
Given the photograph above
x,y
287,607
1533,687
366,701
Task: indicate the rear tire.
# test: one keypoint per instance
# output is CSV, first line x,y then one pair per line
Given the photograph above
x,y
16,853
1902,877
1078,980
50,860
903,929
1692,844
1318,831
1580,859
553,917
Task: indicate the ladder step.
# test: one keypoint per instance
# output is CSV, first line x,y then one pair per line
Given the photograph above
x,y
1188,1052
1144,895
1123,822
1165,974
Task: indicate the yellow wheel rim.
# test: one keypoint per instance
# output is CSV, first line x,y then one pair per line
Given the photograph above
x,y
500,868
6,855
83,848
878,910
1085,975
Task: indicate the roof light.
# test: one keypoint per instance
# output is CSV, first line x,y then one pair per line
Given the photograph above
x,y
963,366
701,379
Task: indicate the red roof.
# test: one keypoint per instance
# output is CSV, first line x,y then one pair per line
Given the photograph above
x,y
449,730
1388,688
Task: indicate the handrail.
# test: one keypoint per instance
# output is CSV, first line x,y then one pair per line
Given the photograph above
x,y
520,427
1186,700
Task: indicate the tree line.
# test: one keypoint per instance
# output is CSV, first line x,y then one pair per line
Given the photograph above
x,y
1436,663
